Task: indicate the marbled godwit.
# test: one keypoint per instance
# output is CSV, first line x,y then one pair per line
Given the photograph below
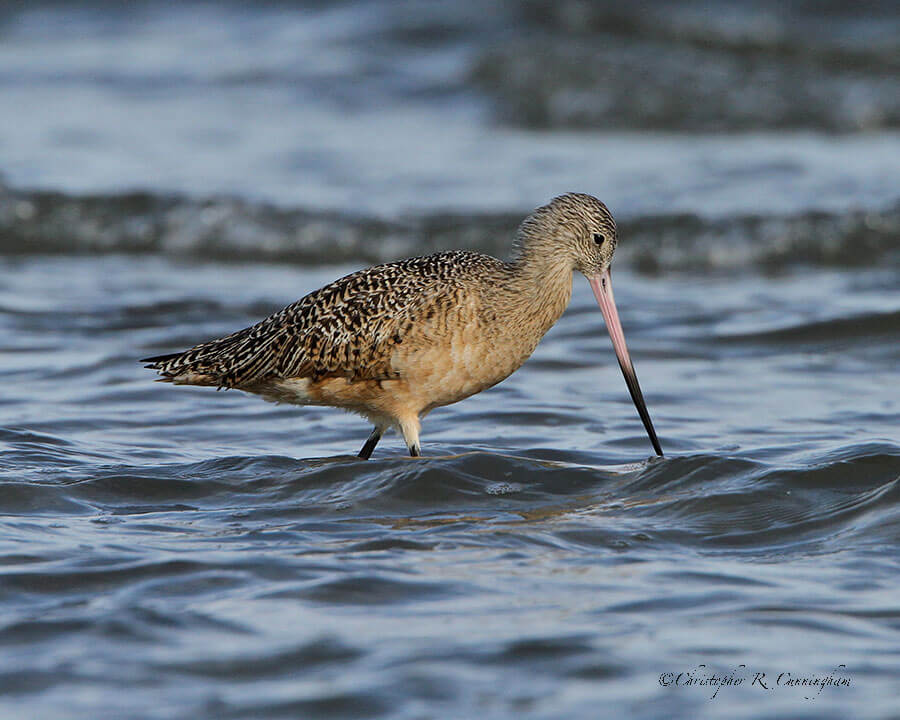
x,y
395,341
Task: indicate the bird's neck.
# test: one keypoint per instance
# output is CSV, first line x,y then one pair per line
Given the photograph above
x,y
542,286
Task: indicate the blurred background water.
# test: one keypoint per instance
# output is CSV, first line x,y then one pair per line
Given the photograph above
x,y
171,172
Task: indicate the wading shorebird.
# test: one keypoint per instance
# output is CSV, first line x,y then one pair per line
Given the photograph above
x,y
395,341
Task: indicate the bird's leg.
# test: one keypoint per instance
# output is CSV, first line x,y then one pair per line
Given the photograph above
x,y
367,449
409,428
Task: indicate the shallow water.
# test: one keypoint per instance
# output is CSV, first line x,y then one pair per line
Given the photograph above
x,y
171,552
233,558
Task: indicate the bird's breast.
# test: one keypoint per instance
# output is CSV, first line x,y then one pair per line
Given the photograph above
x,y
447,364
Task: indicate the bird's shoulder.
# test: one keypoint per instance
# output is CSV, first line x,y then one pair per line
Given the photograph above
x,y
391,288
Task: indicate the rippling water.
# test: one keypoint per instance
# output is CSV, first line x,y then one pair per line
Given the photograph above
x,y
177,552
233,557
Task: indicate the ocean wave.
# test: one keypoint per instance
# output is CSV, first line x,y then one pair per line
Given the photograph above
x,y
870,325
749,66
705,499
228,228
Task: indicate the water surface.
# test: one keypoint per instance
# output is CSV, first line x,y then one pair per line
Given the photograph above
x,y
233,557
173,173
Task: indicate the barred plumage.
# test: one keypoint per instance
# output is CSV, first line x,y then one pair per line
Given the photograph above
x,y
346,329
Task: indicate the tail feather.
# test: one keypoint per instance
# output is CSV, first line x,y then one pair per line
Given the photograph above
x,y
176,368
159,359
199,365
170,365
242,358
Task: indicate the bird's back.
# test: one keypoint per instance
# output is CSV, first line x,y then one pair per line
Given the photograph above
x,y
349,328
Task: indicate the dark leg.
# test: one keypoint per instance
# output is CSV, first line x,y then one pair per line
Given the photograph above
x,y
367,449
414,451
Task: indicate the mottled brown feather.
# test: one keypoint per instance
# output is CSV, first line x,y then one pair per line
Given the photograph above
x,y
348,328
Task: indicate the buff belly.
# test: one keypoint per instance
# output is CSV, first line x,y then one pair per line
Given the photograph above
x,y
430,376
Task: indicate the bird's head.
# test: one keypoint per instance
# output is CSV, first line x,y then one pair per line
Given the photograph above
x,y
575,228
577,232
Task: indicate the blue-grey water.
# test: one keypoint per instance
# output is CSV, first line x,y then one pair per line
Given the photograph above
x,y
171,173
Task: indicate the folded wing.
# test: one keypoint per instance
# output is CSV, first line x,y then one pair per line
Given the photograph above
x,y
349,328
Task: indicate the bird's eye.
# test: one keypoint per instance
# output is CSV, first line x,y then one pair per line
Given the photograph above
x,y
598,238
